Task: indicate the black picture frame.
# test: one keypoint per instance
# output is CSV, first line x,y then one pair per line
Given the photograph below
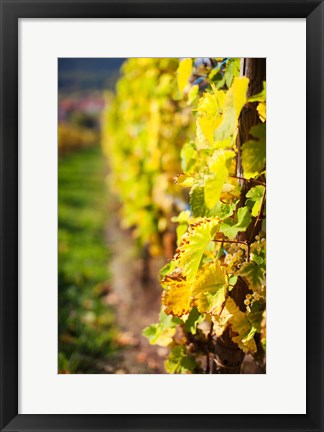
x,y
11,11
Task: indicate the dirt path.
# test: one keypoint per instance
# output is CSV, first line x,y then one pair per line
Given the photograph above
x,y
137,301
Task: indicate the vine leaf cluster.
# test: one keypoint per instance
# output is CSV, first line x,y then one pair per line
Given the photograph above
x,y
172,136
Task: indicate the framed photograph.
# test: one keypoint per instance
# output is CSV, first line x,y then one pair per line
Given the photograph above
x,y
161,164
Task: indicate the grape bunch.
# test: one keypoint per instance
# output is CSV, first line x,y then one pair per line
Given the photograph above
x,y
235,255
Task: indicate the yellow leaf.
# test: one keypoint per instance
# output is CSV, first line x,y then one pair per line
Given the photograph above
x,y
209,114
210,104
234,102
242,328
184,180
219,165
207,127
220,321
193,93
177,294
209,288
240,87
262,110
184,73
201,140
194,244
221,158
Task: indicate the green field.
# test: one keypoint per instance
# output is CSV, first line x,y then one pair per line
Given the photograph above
x,y
86,324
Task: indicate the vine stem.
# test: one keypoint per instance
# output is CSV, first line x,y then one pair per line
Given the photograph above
x,y
246,243
262,369
209,368
249,180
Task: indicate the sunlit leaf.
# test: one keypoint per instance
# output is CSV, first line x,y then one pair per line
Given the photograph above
x,y
235,99
184,180
193,93
221,321
207,127
177,293
157,335
231,228
214,183
255,195
254,274
199,208
193,245
201,140
213,186
168,268
210,287
179,361
210,104
256,315
161,333
183,73
243,331
259,97
254,152
188,156
197,202
194,318
262,110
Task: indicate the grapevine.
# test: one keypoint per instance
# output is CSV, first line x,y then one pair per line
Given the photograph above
x,y
186,140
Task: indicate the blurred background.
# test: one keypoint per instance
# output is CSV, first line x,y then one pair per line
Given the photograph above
x,y
103,303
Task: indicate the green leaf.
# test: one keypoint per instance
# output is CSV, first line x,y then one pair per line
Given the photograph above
x,y
157,335
161,333
199,208
182,218
183,222
168,321
231,229
183,73
223,210
256,195
179,361
256,315
232,71
254,274
260,97
254,152
232,282
194,318
197,202
168,268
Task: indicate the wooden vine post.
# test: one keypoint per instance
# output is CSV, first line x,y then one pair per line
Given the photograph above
x,y
228,356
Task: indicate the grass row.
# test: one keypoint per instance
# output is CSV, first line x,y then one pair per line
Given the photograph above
x,y
85,324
